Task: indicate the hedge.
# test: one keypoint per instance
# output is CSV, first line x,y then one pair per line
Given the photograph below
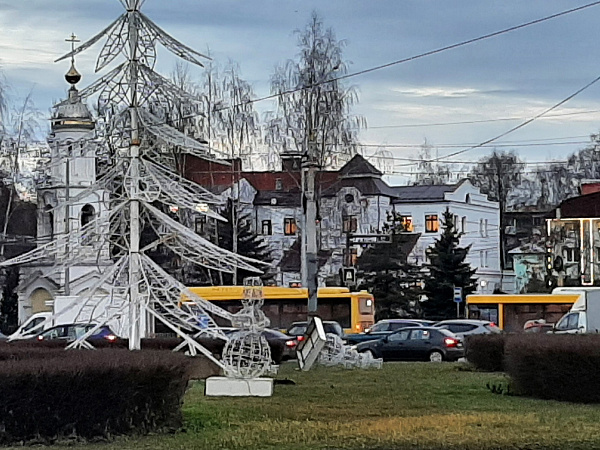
x,y
52,394
486,351
559,367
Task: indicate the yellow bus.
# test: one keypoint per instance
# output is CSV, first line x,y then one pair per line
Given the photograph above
x,y
511,311
354,311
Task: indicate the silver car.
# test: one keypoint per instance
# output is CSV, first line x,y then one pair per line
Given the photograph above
x,y
466,327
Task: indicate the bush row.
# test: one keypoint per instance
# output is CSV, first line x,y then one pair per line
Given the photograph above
x,y
559,367
215,346
486,351
51,394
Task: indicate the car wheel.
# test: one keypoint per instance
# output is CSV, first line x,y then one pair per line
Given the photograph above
x,y
436,356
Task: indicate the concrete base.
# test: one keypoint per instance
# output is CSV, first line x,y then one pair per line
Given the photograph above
x,y
233,387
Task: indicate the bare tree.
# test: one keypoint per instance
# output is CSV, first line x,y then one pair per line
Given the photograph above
x,y
430,171
314,108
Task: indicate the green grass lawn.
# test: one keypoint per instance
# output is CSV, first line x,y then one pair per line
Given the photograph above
x,y
402,406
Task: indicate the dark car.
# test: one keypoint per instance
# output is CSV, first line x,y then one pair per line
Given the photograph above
x,y
383,328
282,347
72,331
423,343
298,329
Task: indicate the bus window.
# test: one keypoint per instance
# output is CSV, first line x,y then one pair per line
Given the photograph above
x,y
365,305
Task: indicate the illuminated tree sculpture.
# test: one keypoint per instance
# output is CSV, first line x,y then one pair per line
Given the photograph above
x,y
138,181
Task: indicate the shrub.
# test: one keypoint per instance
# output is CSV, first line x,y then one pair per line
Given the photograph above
x,y
50,394
560,367
486,351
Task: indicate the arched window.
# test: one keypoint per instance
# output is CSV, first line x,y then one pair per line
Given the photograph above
x,y
468,198
88,213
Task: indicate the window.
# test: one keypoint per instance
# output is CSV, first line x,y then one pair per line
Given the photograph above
x,y
87,214
481,229
200,224
278,184
485,259
456,222
407,223
399,336
537,221
432,225
481,258
289,226
570,255
266,228
421,335
464,224
350,224
350,256
485,228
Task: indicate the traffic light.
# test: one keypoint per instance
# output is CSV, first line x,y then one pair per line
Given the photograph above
x,y
348,275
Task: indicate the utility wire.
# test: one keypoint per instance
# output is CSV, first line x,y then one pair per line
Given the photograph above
x,y
415,57
521,125
469,122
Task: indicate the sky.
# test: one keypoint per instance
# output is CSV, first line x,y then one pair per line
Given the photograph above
x,y
451,100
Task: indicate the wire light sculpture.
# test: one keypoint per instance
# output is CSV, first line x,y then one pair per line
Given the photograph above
x,y
247,353
137,180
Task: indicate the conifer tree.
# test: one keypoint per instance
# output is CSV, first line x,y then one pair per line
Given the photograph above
x,y
249,244
385,273
447,269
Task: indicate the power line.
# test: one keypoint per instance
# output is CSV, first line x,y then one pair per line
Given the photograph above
x,y
414,57
468,122
521,125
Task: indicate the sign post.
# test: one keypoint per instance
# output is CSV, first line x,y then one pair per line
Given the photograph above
x,y
458,298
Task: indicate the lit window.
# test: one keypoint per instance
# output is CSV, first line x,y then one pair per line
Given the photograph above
x,y
350,224
350,257
267,228
407,223
289,226
432,225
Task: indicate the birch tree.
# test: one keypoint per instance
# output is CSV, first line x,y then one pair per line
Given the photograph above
x,y
314,107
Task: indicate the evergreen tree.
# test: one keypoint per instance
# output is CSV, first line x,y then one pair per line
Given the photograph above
x,y
447,269
395,284
249,244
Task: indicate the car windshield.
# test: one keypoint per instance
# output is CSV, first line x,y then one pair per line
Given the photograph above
x,y
297,330
381,326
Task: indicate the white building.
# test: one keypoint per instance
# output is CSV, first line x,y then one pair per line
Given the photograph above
x,y
72,169
476,218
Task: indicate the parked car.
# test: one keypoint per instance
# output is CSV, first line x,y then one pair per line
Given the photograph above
x,y
282,347
383,328
422,343
467,327
298,329
538,326
72,331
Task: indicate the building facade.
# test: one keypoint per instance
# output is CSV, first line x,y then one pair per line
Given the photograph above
x,y
70,173
355,204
